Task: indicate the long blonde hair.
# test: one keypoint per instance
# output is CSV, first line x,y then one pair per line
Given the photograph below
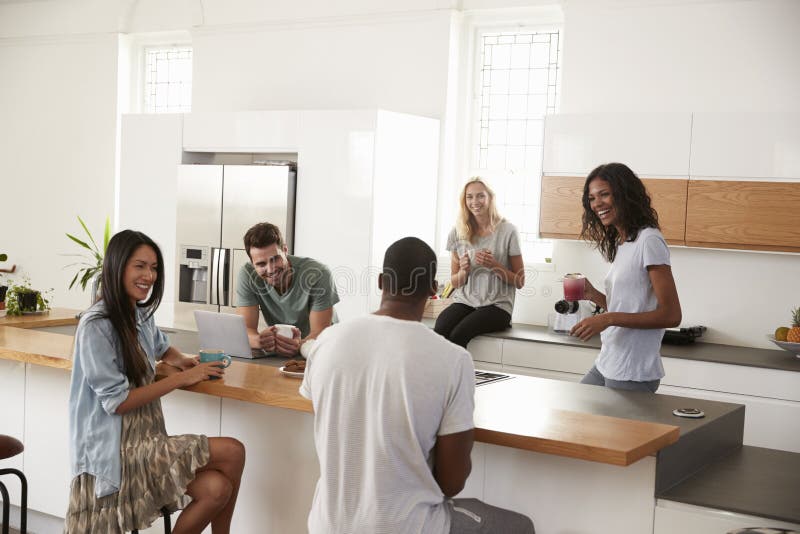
x,y
466,225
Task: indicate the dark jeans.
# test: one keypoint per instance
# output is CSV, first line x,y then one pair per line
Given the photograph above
x,y
459,323
595,378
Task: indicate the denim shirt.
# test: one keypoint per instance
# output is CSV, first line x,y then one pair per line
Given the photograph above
x,y
99,385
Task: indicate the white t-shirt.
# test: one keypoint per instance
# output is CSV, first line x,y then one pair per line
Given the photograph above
x,y
633,353
383,389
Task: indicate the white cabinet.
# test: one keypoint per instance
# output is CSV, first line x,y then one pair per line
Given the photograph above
x,y
365,178
282,468
247,131
486,349
150,152
12,414
672,517
47,465
749,146
771,397
652,144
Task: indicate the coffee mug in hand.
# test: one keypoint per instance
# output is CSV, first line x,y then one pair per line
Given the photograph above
x,y
215,355
285,330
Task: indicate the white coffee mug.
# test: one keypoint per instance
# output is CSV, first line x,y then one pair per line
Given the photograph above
x,y
285,330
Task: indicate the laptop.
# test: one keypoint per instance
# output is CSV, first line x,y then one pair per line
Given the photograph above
x,y
225,331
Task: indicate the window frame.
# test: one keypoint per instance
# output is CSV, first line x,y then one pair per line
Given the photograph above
x,y
475,27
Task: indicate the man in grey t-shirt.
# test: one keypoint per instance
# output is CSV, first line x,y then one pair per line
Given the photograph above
x,y
287,289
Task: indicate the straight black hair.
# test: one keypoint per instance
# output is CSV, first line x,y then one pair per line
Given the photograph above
x,y
119,309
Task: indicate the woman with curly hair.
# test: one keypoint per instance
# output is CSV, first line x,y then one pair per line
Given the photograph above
x,y
640,293
486,268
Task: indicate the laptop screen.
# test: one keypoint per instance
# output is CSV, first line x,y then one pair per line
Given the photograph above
x,y
226,332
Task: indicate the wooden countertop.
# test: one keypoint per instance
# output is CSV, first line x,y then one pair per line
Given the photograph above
x,y
508,413
53,317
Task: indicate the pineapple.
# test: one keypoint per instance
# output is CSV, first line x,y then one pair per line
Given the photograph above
x,y
794,332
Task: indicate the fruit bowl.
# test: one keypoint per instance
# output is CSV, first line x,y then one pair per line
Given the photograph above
x,y
786,345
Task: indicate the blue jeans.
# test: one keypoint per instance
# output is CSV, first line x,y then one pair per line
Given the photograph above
x,y
594,378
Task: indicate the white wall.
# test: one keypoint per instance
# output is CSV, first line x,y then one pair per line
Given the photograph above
x,y
694,55
59,90
396,62
57,142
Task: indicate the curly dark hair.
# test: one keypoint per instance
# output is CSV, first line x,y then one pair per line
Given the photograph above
x,y
631,202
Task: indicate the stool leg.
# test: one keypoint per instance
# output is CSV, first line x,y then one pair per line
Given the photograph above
x,y
23,512
6,507
167,521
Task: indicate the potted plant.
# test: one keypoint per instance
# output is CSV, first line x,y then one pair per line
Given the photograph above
x,y
21,298
92,264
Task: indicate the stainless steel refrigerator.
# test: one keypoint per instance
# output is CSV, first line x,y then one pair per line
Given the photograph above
x,y
216,206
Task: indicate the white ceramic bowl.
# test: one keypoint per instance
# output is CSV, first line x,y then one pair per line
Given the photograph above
x,y
787,345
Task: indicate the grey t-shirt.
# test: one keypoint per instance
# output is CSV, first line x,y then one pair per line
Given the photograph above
x,y
484,288
633,353
312,289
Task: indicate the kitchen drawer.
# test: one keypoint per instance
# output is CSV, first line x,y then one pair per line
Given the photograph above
x,y
739,379
486,349
548,356
542,373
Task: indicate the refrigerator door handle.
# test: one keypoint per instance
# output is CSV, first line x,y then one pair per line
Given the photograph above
x,y
216,256
225,272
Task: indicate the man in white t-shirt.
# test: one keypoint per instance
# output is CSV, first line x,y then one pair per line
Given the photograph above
x,y
393,426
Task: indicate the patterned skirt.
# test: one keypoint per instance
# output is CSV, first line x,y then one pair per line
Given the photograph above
x,y
156,469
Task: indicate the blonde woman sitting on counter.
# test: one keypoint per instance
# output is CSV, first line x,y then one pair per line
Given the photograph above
x,y
486,268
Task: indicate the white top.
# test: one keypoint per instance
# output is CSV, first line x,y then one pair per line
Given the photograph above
x,y
483,287
633,353
383,389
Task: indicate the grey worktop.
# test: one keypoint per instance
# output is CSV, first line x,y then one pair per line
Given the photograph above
x,y
751,481
708,352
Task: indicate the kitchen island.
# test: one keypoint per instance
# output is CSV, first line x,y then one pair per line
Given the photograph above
x,y
545,448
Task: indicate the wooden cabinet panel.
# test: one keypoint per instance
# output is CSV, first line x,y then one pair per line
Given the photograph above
x,y
561,211
745,215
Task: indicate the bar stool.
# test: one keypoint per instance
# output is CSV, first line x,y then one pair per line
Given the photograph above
x,y
10,447
167,522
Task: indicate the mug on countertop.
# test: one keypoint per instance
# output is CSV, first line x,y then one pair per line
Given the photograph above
x,y
215,355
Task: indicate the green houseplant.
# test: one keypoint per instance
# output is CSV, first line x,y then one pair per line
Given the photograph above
x,y
92,264
22,298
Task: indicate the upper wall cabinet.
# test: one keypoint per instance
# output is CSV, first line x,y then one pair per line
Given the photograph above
x,y
743,187
652,144
747,146
248,131
561,211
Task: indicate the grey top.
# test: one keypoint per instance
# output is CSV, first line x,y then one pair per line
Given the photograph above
x,y
99,385
312,289
483,288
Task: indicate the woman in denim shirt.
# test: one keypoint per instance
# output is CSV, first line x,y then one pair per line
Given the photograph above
x,y
126,467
